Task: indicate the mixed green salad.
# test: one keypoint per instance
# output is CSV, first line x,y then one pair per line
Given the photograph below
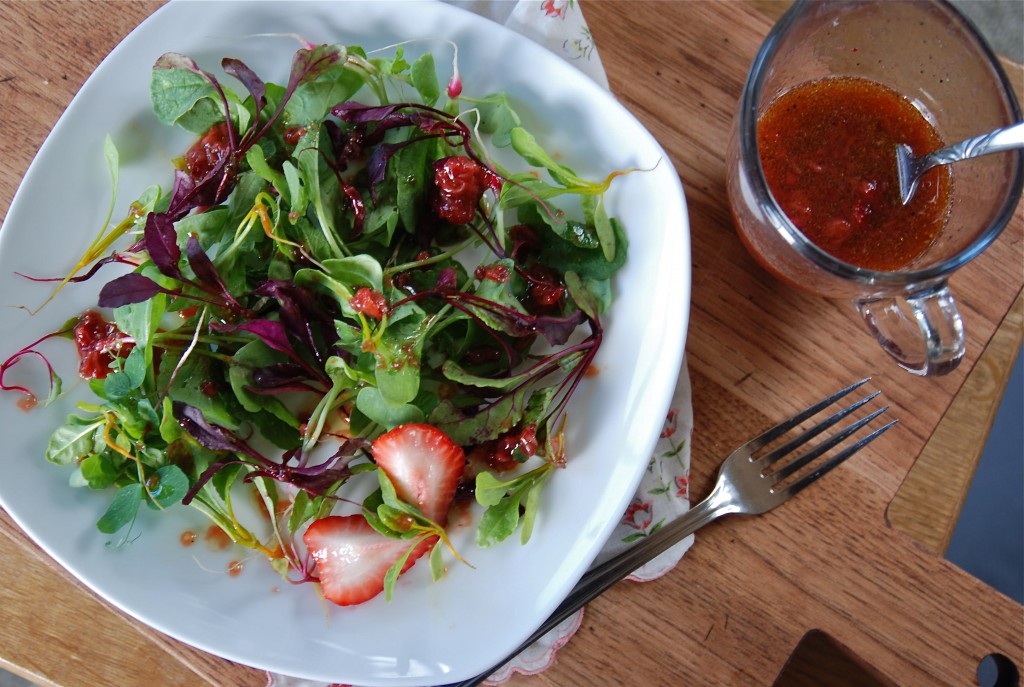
x,y
341,280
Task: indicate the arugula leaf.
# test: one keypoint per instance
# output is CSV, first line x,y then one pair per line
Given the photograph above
x,y
257,161
504,500
122,509
391,576
524,143
591,296
456,373
585,260
113,160
413,176
488,424
313,174
398,353
596,215
355,271
209,226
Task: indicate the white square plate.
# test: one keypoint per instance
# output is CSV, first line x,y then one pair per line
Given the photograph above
x,y
430,633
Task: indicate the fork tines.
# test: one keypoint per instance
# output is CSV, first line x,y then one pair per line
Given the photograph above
x,y
779,470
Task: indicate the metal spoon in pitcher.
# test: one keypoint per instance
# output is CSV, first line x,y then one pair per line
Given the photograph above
x,y
911,168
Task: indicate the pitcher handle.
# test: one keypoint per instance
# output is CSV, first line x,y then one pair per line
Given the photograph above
x,y
923,331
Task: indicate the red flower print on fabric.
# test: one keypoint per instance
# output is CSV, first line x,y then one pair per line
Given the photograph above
x,y
555,8
683,486
638,515
671,423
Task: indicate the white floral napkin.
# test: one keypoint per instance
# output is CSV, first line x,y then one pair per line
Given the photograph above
x,y
664,493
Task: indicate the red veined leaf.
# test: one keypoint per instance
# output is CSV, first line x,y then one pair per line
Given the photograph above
x,y
206,272
162,244
128,289
270,332
201,264
302,314
279,375
210,436
308,64
253,83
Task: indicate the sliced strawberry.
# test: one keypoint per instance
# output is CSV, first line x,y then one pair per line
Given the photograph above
x,y
424,464
352,557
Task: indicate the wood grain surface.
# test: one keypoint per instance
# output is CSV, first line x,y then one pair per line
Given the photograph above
x,y
928,503
826,573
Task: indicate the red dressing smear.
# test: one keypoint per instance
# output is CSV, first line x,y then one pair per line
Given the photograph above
x,y
459,515
216,538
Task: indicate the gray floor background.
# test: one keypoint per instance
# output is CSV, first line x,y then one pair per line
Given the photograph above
x,y
989,540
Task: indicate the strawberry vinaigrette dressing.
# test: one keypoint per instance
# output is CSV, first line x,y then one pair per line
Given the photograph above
x,y
828,149
216,539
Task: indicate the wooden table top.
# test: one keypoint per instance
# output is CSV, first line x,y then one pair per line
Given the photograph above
x,y
828,573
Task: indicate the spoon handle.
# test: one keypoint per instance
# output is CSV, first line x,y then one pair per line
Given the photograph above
x,y
1000,140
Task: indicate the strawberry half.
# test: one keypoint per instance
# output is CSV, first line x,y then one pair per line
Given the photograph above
x,y
352,558
425,466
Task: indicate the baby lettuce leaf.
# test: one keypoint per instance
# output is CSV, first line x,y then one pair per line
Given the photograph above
x,y
505,500
73,440
322,90
184,95
122,510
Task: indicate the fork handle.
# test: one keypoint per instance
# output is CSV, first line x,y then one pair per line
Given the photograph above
x,y
998,141
601,577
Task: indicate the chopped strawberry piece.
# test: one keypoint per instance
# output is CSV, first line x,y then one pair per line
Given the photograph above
x,y
498,453
369,302
545,288
293,134
496,272
99,342
352,558
208,152
459,184
212,152
424,464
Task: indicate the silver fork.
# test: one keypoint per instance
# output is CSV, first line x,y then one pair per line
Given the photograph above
x,y
910,168
748,484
